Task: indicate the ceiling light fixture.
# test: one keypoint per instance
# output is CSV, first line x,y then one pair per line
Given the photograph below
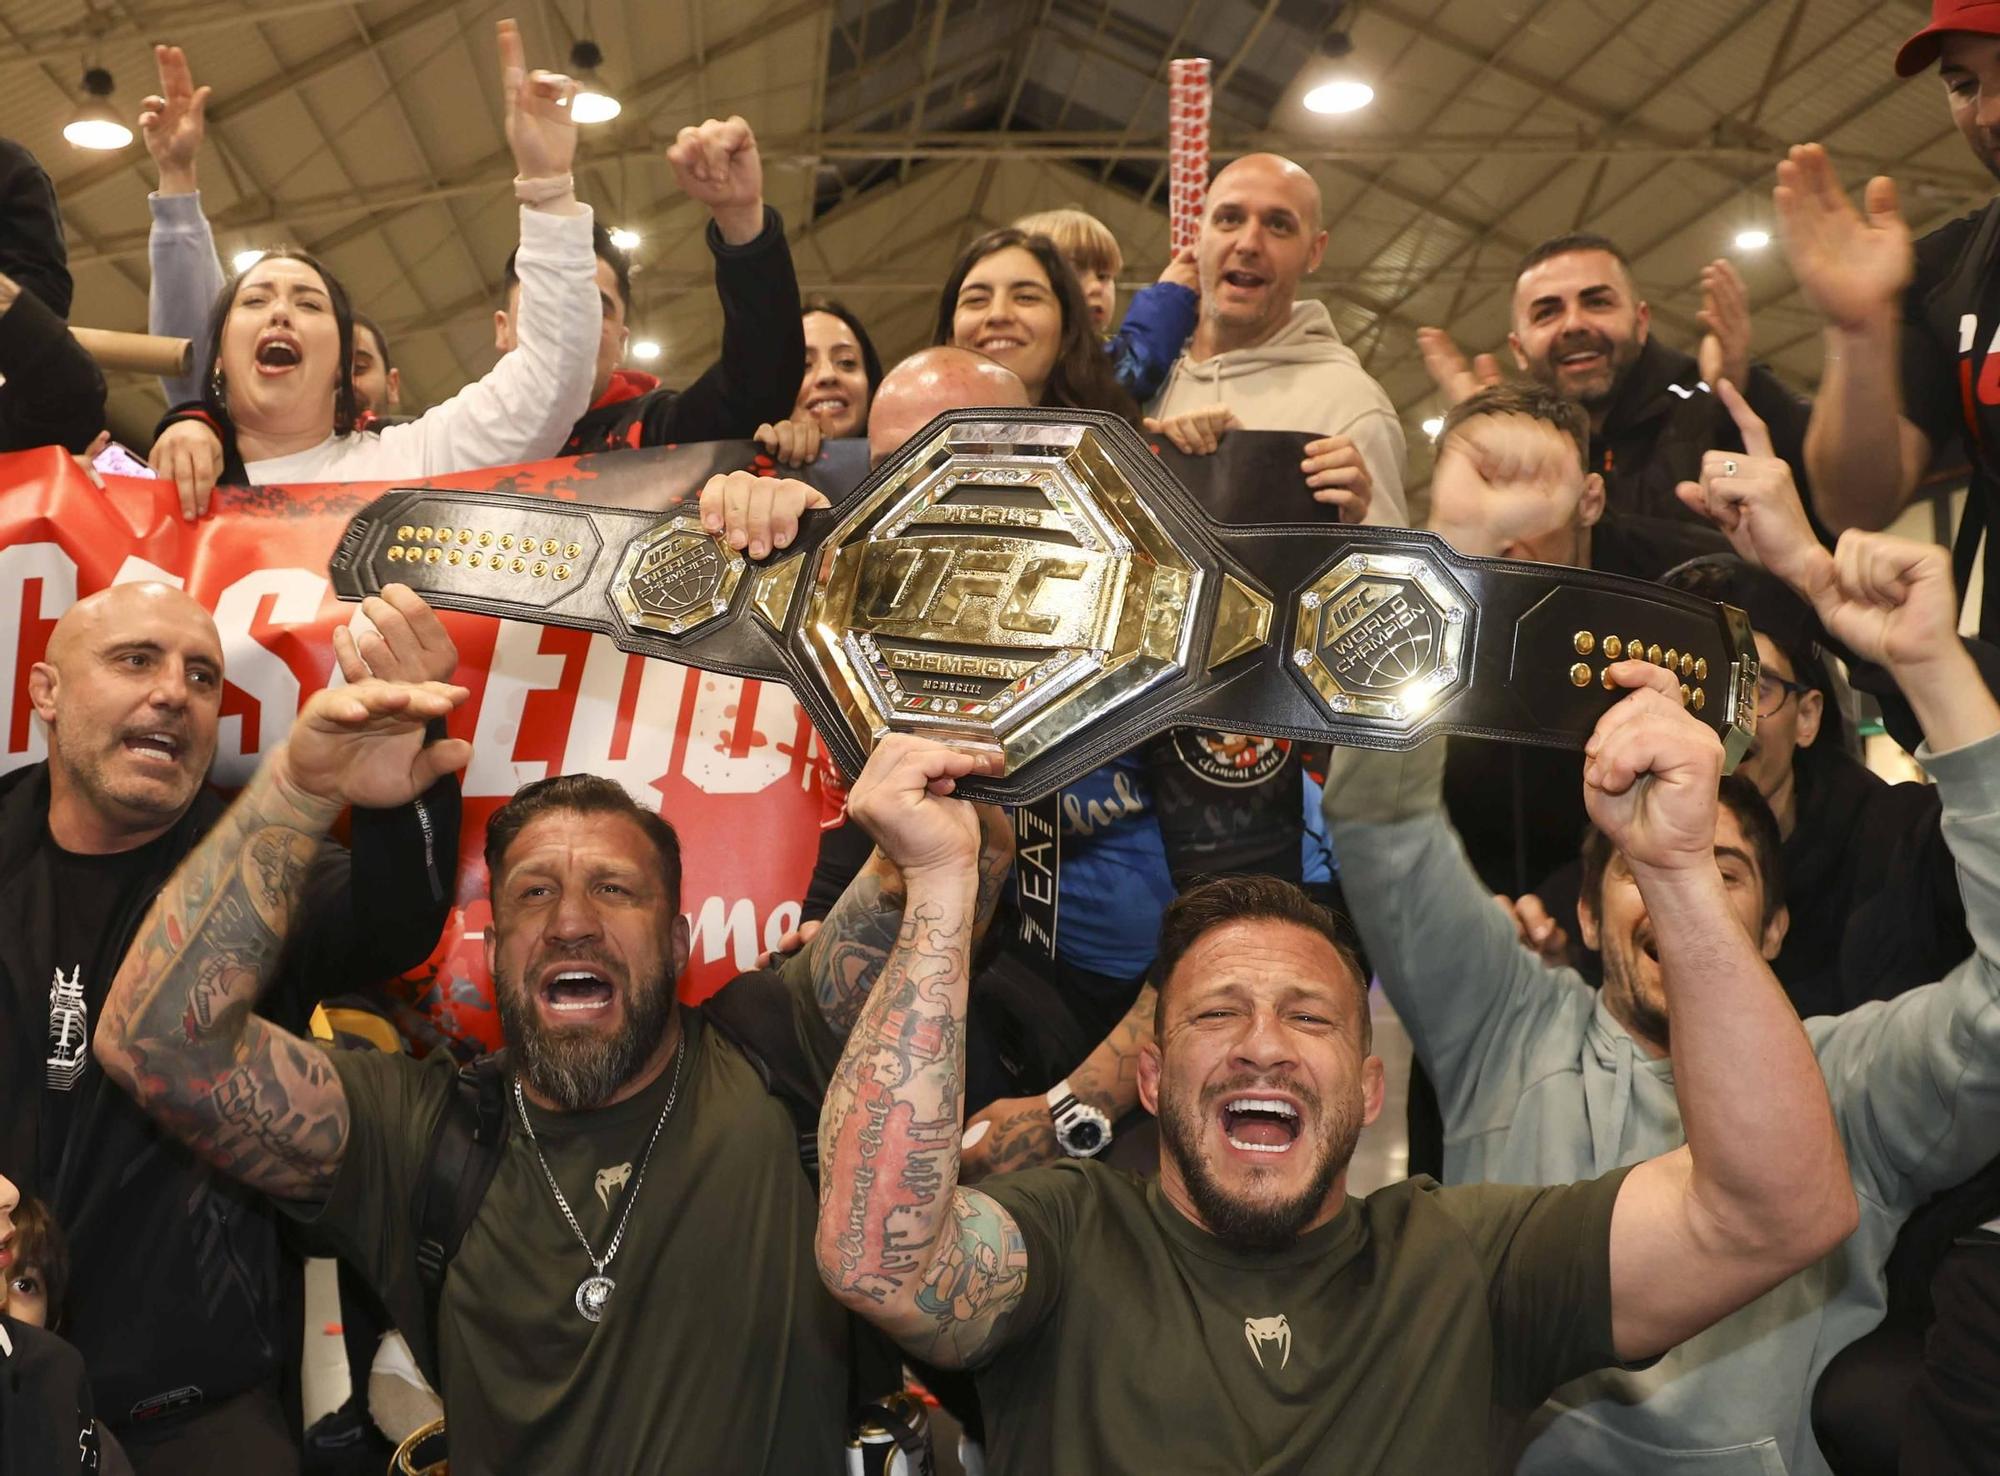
x,y
1752,239
593,102
623,239
95,125
244,260
646,349
1344,96
1432,425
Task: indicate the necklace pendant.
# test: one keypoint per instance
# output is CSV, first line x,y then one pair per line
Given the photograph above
x,y
592,1293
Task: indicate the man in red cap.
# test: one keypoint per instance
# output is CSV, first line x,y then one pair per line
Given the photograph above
x,y
1911,330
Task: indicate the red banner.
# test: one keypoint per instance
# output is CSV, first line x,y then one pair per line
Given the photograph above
x,y
733,764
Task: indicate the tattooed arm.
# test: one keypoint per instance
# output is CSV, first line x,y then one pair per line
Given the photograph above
x,y
935,1266
178,1030
847,953
1021,1133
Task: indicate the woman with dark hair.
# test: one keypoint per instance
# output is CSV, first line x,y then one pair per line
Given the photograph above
x,y
842,370
1013,297
277,379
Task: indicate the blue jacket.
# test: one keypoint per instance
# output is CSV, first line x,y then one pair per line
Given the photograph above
x,y
1145,346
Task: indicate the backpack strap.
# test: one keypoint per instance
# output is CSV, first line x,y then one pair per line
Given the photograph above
x,y
459,1164
754,1013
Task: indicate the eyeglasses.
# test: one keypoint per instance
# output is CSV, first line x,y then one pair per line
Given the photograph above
x,y
1772,691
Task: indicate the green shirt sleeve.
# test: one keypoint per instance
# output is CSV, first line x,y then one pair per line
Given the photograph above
x,y
393,1105
1547,1254
1046,1205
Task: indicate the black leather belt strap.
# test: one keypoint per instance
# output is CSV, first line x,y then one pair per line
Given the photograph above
x,y
1373,637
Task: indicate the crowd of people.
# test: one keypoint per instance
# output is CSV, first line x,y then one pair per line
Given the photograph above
x,y
1704,1119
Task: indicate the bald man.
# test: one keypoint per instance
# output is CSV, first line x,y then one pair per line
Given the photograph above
x,y
760,514
1262,360
180,1300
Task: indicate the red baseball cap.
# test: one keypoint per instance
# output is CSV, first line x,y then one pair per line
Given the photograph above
x,y
1979,16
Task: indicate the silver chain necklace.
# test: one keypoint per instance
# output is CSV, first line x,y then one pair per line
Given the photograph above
x,y
594,1291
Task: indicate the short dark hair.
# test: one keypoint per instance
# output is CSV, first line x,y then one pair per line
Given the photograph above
x,y
1524,397
40,1243
1760,827
1222,900
362,320
607,252
578,794
215,393
1083,377
871,362
1566,244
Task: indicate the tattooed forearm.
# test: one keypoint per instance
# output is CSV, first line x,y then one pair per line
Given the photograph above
x,y
178,1030
890,1208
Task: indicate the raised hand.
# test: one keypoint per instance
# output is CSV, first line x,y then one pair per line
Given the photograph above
x,y
1853,269
902,798
1650,772
174,120
756,514
189,455
718,164
1751,497
540,130
1449,371
1725,313
364,744
1195,432
1890,600
1336,475
401,640
1182,270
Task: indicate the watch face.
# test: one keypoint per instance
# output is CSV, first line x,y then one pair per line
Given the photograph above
x,y
1084,1137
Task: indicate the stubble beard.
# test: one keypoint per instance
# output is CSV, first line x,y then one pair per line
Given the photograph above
x,y
576,1067
1255,1225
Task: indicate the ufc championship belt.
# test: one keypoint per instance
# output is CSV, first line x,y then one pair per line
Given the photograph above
x,y
1035,583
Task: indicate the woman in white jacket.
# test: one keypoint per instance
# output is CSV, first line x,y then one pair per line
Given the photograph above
x,y
278,372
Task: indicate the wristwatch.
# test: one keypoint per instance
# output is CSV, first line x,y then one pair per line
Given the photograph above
x,y
1081,1130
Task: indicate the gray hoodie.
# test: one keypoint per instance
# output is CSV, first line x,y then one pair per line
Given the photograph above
x,y
1303,379
1540,1085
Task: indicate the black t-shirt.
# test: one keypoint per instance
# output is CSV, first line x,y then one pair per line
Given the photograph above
x,y
46,1425
1950,375
174,1288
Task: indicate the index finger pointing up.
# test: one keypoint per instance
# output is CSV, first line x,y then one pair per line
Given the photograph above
x,y
513,60
1756,435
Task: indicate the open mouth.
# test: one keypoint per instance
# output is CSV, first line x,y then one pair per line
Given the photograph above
x,y
575,991
1268,1125
278,353
155,746
1648,945
1244,281
1000,344
828,405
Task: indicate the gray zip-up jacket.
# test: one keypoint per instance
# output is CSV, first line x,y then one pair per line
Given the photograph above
x,y
1540,1085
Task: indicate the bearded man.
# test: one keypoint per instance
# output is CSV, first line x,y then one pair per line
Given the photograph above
x,y
634,1292
1241,1312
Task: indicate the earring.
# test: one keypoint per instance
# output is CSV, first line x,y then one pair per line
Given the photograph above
x,y
218,391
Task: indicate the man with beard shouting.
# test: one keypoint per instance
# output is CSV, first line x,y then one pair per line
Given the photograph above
x,y
1241,1313
635,1293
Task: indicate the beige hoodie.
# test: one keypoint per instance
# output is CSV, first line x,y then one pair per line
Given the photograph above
x,y
1302,379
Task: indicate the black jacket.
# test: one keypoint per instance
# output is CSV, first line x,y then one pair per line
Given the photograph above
x,y
176,1270
1661,420
755,380
54,394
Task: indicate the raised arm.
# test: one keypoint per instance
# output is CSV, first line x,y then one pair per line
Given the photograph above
x,y
935,1266
178,1030
1864,455
859,934
1761,1189
187,275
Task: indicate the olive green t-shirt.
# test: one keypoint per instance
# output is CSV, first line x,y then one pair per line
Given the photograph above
x,y
1408,1334
719,1350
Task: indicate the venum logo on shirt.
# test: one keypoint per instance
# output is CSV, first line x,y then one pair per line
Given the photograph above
x,y
69,1030
1259,1331
610,1179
